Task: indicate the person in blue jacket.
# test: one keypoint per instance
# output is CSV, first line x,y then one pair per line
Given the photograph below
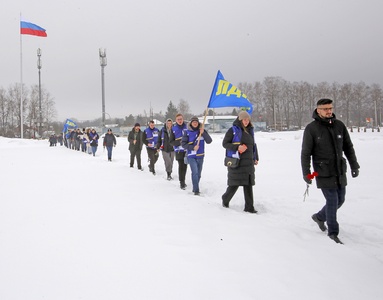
x,y
93,137
193,141
175,140
150,139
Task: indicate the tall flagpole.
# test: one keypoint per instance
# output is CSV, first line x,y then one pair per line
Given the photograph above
x,y
21,83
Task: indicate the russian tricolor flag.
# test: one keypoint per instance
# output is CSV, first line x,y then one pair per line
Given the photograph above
x,y
31,29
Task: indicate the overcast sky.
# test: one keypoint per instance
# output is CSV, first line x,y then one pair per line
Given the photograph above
x,y
166,50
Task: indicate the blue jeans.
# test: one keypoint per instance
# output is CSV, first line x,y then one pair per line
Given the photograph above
x,y
196,170
109,149
334,200
94,149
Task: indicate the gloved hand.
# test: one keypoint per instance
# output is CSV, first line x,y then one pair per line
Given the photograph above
x,y
307,179
355,173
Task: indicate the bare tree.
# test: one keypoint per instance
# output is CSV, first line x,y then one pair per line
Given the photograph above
x,y
376,96
184,108
4,111
272,97
48,108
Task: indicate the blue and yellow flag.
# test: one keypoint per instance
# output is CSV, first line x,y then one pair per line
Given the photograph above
x,y
225,94
69,124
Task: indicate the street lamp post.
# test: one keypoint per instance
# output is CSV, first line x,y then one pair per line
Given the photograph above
x,y
103,62
39,65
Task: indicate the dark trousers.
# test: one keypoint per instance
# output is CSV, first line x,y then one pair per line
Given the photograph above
x,y
334,200
135,153
247,192
182,167
153,157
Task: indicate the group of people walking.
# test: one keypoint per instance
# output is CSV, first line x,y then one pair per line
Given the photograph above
x,y
324,141
186,144
182,141
87,140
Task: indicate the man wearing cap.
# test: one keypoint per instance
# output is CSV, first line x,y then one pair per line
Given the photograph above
x,y
324,141
193,141
166,148
109,143
135,145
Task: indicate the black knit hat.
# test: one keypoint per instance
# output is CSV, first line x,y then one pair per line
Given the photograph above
x,y
137,124
194,119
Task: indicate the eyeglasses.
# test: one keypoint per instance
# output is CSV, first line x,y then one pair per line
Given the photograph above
x,y
326,108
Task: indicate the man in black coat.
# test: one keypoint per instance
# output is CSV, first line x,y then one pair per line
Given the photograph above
x,y
325,140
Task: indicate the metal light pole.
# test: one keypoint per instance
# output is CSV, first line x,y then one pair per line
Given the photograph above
x,y
39,65
102,53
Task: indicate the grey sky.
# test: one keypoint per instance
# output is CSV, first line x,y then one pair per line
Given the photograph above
x,y
166,50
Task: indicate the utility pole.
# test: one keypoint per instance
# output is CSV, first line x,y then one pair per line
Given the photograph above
x,y
39,66
103,63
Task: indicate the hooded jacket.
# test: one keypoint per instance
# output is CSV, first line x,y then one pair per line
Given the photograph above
x,y
163,141
190,139
324,141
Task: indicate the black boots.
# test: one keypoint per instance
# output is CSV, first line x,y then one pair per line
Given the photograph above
x,y
182,185
321,224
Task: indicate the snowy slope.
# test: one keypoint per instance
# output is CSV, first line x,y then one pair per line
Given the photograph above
x,y
73,226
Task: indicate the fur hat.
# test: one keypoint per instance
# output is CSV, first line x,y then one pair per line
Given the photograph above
x,y
243,115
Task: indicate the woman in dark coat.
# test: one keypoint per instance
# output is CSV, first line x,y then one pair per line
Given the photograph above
x,y
239,142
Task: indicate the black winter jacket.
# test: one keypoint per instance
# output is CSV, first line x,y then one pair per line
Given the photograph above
x,y
109,140
244,174
325,141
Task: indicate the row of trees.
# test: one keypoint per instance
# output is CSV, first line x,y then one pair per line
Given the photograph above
x,y
10,110
284,104
278,102
171,111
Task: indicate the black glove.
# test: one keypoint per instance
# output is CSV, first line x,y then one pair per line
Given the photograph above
x,y
308,181
355,173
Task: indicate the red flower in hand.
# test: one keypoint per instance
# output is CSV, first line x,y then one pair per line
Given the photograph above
x,y
312,175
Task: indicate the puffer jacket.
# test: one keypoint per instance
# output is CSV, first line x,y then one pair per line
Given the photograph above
x,y
109,140
244,174
325,141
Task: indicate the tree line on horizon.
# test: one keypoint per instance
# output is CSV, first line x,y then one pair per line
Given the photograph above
x,y
284,104
10,110
280,103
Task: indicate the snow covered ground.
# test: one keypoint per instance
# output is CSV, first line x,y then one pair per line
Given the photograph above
x,y
73,226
